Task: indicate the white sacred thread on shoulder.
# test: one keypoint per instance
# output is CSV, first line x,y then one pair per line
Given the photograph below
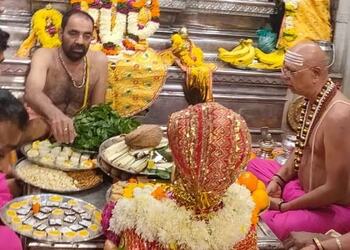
x,y
294,58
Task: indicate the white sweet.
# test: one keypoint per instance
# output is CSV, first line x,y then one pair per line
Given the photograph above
x,y
46,178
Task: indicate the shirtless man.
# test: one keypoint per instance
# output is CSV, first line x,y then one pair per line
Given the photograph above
x,y
63,80
311,192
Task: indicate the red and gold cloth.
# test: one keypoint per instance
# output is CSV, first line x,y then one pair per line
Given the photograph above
x,y
210,145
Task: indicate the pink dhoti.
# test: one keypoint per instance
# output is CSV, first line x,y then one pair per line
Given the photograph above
x,y
310,220
8,239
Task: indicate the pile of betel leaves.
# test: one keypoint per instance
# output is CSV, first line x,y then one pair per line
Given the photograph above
x,y
98,123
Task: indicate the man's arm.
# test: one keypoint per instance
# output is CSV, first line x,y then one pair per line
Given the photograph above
x,y
337,151
287,170
62,126
99,91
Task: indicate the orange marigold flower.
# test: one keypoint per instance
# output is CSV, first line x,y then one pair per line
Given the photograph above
x,y
139,4
159,193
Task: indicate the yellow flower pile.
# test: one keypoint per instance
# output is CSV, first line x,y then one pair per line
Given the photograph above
x,y
198,86
188,56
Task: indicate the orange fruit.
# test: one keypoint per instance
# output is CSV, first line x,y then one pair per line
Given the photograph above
x,y
255,216
261,199
252,155
261,185
248,180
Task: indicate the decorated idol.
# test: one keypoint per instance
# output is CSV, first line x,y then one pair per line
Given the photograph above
x,y
204,208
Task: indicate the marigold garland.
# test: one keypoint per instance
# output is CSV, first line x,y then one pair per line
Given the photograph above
x,y
45,25
126,22
151,26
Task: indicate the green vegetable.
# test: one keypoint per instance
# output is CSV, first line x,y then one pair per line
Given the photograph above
x,y
97,124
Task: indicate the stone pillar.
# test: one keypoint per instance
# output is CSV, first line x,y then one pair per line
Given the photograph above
x,y
342,46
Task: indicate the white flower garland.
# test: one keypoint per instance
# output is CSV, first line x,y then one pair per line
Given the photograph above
x,y
94,13
116,34
150,28
165,222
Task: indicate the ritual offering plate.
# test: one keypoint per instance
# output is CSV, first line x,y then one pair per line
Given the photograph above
x,y
115,154
54,218
56,156
57,180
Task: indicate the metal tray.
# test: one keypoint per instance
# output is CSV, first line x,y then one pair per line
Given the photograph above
x,y
23,162
104,164
112,141
111,171
44,198
36,160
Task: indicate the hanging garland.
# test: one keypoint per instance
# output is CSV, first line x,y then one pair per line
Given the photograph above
x,y
289,30
112,36
151,27
45,25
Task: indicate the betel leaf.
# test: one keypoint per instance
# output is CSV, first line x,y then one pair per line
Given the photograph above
x,y
97,124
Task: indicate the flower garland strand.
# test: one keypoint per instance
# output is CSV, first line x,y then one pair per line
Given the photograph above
x,y
151,27
162,220
113,35
289,32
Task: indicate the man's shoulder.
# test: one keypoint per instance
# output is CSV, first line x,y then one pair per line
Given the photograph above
x,y
97,57
340,112
44,53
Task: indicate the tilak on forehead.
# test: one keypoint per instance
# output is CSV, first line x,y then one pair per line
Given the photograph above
x,y
294,58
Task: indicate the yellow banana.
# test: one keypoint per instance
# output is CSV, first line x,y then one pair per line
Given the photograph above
x,y
224,51
240,50
246,59
274,58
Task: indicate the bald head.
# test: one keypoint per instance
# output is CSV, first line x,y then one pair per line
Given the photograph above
x,y
309,53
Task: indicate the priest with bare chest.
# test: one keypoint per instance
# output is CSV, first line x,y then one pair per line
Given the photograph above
x,y
64,80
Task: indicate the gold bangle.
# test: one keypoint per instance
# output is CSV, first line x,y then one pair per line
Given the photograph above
x,y
318,243
337,240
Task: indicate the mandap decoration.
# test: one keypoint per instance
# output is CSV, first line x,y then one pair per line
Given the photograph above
x,y
305,20
45,25
122,24
136,73
210,146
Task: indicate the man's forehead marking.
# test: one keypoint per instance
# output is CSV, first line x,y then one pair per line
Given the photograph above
x,y
294,58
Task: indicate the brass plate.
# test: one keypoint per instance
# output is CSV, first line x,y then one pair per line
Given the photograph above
x,y
293,113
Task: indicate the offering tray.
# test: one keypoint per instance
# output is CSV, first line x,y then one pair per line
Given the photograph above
x,y
57,156
57,218
56,180
147,161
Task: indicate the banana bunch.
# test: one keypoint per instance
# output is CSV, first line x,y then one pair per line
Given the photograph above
x,y
271,61
244,55
241,56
